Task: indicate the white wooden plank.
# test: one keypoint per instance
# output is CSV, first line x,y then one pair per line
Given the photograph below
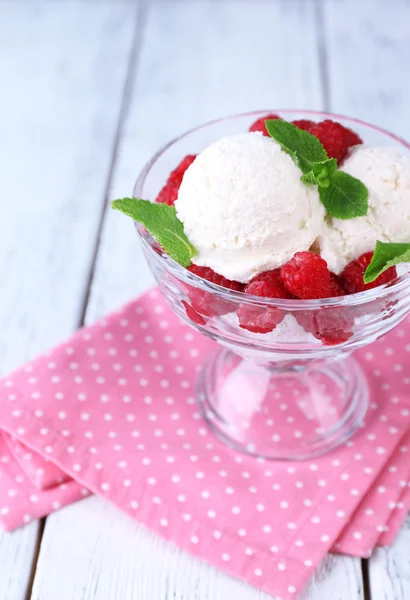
x,y
368,49
116,558
198,62
62,70
389,569
61,92
17,556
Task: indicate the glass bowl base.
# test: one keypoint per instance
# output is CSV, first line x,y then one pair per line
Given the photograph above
x,y
282,413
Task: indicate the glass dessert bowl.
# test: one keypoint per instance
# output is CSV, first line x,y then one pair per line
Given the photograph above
x,y
289,390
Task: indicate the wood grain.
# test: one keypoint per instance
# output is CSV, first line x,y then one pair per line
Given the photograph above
x,y
368,47
65,72
389,569
116,558
62,70
17,561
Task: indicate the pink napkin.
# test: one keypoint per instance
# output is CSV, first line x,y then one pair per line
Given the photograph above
x,y
113,408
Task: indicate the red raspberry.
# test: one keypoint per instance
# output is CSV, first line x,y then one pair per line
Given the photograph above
x,y
330,325
259,125
263,319
352,275
169,192
306,276
192,314
305,124
208,304
336,286
335,138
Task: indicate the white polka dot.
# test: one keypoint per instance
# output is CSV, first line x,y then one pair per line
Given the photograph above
x,y
225,557
164,522
291,589
281,566
258,572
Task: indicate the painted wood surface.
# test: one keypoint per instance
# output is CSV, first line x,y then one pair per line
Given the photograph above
x,y
18,556
76,134
389,569
62,68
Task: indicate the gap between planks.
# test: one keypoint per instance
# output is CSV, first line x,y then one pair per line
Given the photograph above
x,y
124,106
34,562
366,580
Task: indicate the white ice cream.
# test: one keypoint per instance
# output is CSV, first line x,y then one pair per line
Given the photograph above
x,y
245,208
387,177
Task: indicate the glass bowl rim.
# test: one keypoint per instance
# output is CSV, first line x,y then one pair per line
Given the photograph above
x,y
183,274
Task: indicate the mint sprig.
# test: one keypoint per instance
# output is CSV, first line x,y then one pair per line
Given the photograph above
x,y
386,255
343,196
162,223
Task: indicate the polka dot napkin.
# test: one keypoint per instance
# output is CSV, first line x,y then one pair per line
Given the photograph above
x,y
113,411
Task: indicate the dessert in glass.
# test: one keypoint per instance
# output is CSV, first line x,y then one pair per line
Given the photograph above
x,y
276,279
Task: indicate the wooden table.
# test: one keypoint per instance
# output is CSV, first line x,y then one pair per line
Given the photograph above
x,y
89,90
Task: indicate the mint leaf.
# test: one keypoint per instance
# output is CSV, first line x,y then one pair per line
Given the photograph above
x,y
386,255
320,173
304,147
346,197
163,224
343,196
310,178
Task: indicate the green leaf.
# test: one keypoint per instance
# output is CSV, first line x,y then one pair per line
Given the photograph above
x,y
310,178
304,147
386,255
320,173
163,224
346,197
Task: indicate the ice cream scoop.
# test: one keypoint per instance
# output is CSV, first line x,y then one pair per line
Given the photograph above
x,y
386,173
244,207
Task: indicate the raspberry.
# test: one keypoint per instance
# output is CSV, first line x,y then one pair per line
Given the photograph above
x,y
352,275
259,125
306,276
336,286
169,192
335,138
304,124
192,314
263,319
330,325
208,304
